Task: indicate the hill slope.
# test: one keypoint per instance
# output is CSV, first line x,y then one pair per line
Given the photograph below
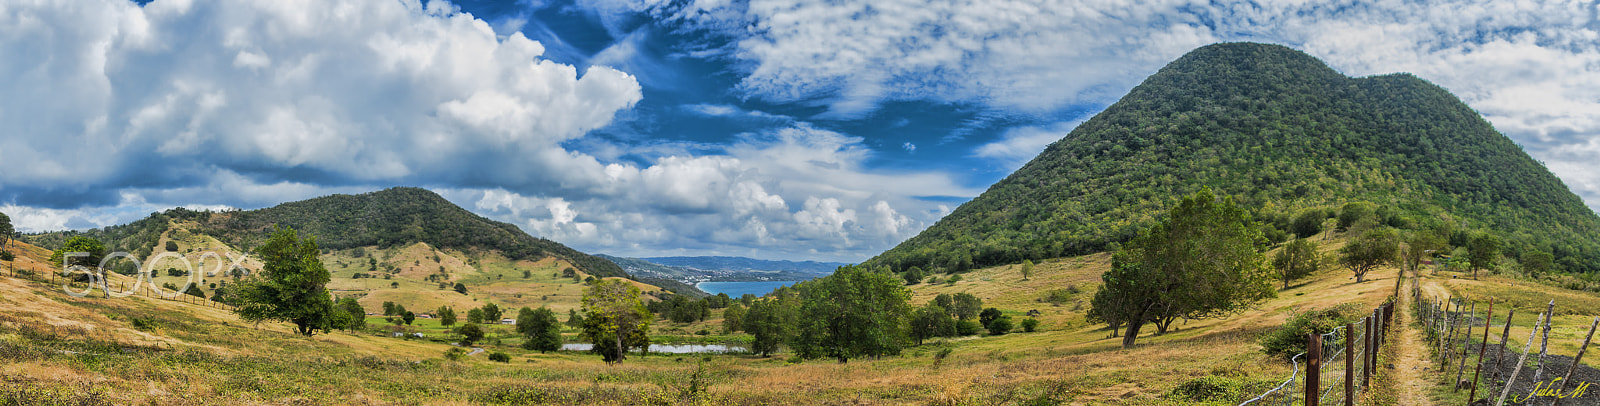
x,y
387,218
1281,132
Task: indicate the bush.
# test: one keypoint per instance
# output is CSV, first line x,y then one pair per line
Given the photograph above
x,y
499,357
1000,326
1290,339
455,354
967,327
7,256
1209,388
172,246
1030,324
1057,296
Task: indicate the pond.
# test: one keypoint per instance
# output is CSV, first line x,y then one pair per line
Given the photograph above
x,y
668,348
736,289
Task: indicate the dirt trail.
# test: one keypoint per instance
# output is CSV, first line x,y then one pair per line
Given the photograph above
x,y
1414,370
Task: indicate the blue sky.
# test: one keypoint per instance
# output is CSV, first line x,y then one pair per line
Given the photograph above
x,y
777,129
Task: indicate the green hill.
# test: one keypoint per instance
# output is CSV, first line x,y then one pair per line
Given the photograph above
x,y
1281,132
388,218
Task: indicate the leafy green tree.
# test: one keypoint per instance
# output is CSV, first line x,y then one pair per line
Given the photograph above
x,y
1485,249
574,319
913,276
1027,269
93,247
965,306
1536,261
932,321
1374,248
989,315
500,357
766,323
470,333
967,327
388,308
1308,222
492,313
1202,260
475,315
1422,244
460,288
172,246
1030,325
291,286
855,312
1354,212
617,320
539,328
408,317
356,315
732,319
6,231
1297,259
447,315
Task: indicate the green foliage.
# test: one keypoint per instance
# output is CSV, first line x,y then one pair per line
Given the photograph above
x,y
1027,269
1201,261
1374,248
291,286
989,315
1209,388
1296,260
1282,132
1485,249
1536,262
470,333
855,312
932,321
999,326
617,320
968,327
913,276
6,233
460,288
408,317
1308,222
732,319
455,354
172,246
574,319
499,357
1030,324
446,315
768,324
492,313
388,308
354,316
84,244
540,329
1354,212
475,316
1290,338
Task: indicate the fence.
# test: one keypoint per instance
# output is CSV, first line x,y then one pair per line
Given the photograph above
x,y
50,278
1449,323
1333,355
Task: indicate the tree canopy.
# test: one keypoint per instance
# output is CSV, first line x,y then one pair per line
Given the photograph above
x,y
1373,248
617,320
291,286
1297,259
539,329
856,312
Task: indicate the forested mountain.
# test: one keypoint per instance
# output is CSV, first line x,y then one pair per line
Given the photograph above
x,y
385,218
1281,132
722,269
748,264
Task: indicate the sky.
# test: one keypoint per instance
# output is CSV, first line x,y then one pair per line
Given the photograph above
x,y
777,129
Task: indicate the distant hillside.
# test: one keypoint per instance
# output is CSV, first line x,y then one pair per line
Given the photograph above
x,y
722,269
747,264
387,218
1281,132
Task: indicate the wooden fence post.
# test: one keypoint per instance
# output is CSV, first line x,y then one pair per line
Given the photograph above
x,y
1510,379
1313,367
1349,363
1461,367
1576,361
1500,353
1482,347
1544,344
1366,354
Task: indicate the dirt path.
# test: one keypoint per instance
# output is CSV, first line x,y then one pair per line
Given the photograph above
x,y
1414,371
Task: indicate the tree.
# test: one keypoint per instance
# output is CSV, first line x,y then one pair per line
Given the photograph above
x,y
989,315
574,319
1202,260
932,321
999,326
732,319
1297,259
172,246
470,333
1372,249
1308,222
475,315
6,231
539,328
492,313
913,276
1030,324
291,285
356,315
1354,212
91,246
855,312
408,317
1536,261
1485,249
388,308
460,288
447,315
765,322
1422,244
1027,269
965,306
617,320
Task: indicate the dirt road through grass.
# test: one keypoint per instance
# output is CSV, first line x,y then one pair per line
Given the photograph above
x,y
1414,370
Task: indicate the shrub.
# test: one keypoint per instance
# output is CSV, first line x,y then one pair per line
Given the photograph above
x,y
499,357
7,256
455,354
1209,388
1290,339
1058,296
999,326
967,327
1030,324
172,246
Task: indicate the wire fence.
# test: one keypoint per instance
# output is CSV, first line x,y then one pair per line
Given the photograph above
x,y
1459,335
84,284
1338,364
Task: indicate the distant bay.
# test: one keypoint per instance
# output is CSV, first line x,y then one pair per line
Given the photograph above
x,y
736,289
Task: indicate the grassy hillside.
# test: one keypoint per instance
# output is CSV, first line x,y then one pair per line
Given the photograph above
x,y
1281,132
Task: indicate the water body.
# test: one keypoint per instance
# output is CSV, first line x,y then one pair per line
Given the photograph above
x,y
668,349
736,289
